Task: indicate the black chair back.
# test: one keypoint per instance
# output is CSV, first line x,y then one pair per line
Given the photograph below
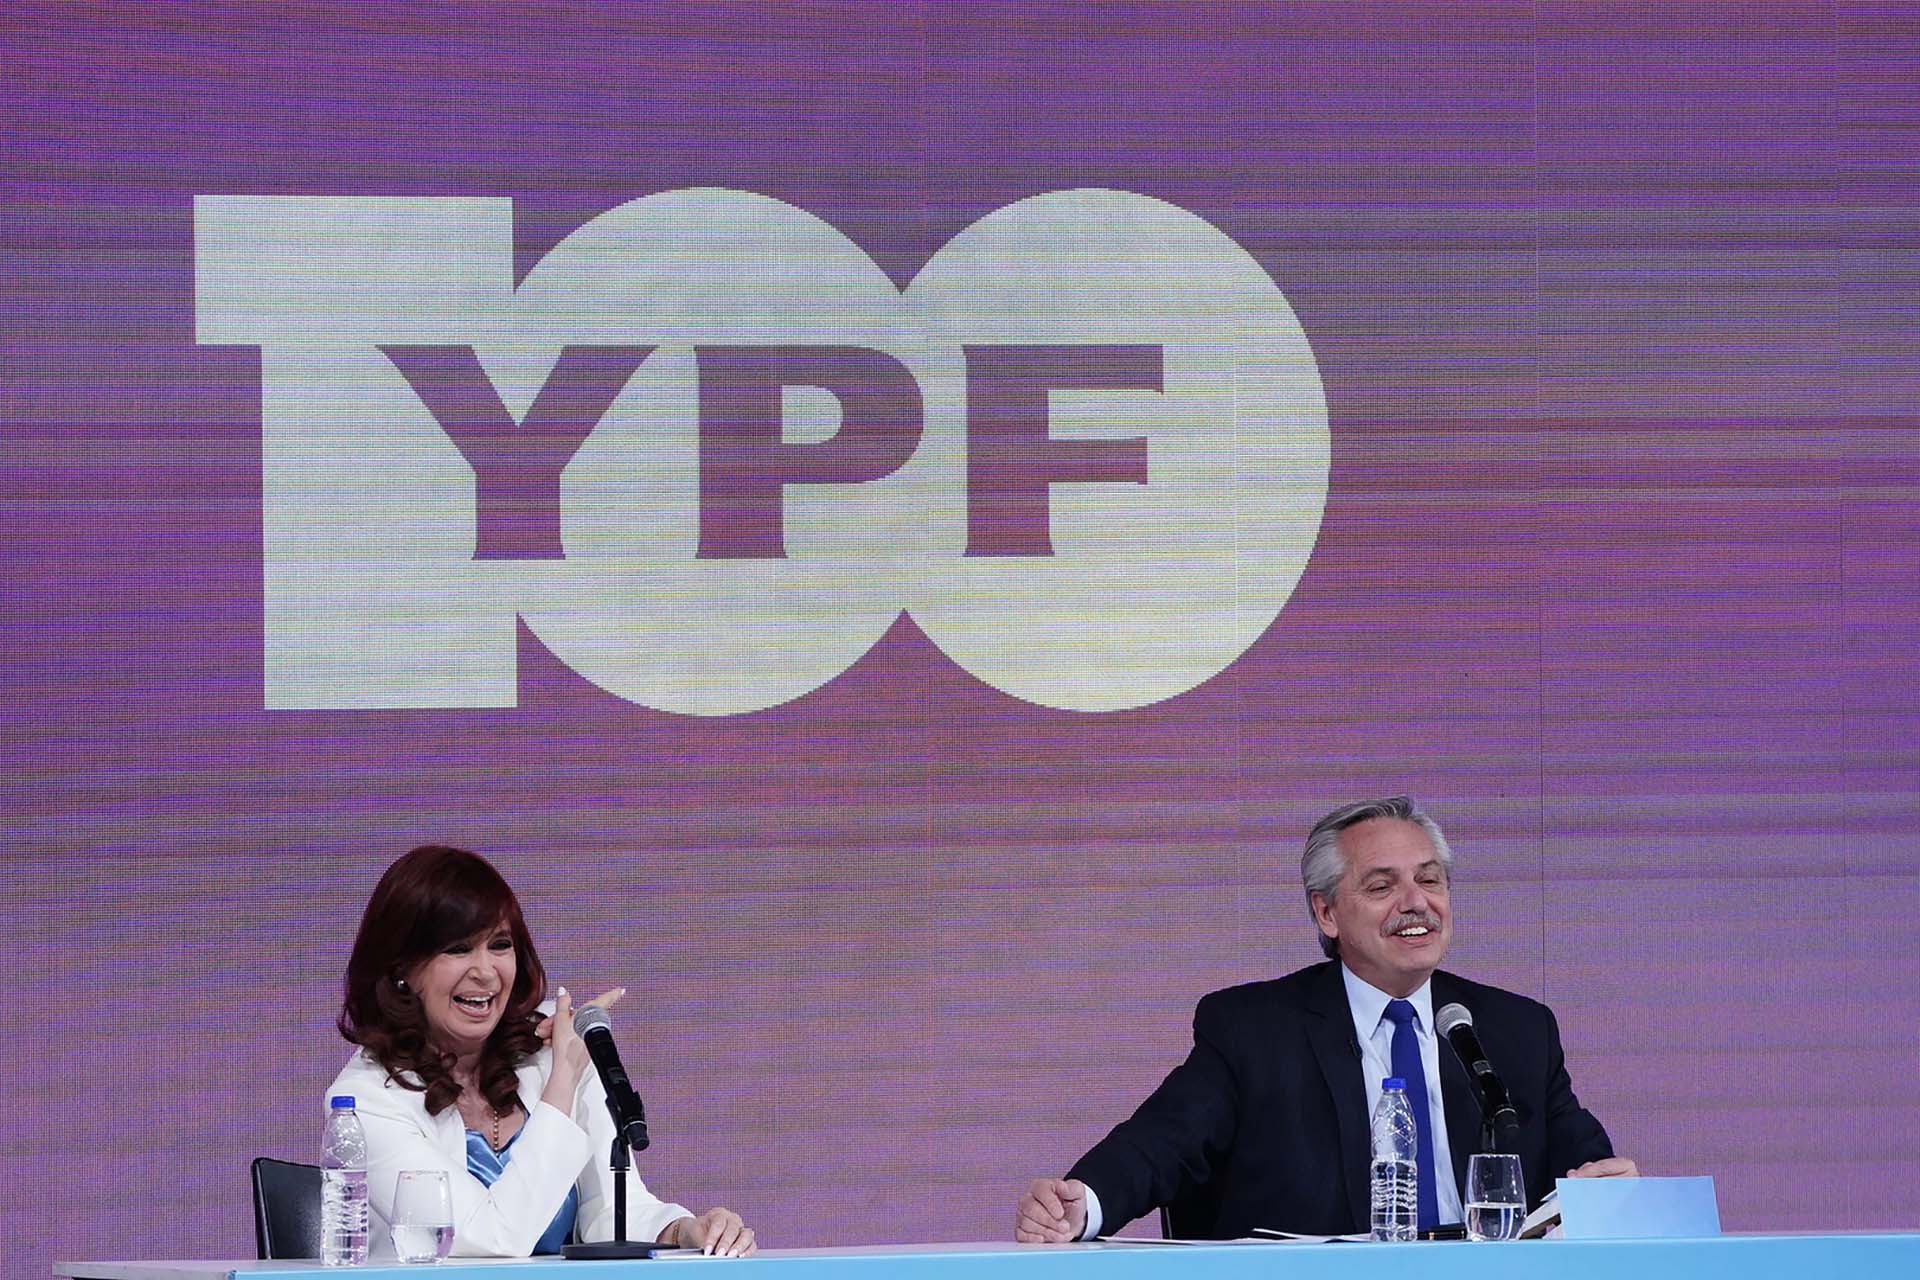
x,y
286,1209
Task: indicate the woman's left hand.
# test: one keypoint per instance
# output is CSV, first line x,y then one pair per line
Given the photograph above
x,y
606,1000
719,1232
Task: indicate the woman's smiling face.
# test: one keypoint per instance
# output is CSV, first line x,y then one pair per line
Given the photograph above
x,y
465,988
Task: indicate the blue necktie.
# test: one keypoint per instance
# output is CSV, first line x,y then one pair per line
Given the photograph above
x,y
1407,1065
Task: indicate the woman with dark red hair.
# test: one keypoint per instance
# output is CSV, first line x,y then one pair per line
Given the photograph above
x,y
463,1068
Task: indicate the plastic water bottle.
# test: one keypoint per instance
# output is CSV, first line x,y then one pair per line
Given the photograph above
x,y
1396,1178
343,1186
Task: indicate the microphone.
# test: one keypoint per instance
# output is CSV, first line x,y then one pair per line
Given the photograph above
x,y
1500,1122
591,1024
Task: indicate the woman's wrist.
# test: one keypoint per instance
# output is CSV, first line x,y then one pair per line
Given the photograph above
x,y
674,1233
561,1086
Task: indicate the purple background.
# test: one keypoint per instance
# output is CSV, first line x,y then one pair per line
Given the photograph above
x,y
1618,573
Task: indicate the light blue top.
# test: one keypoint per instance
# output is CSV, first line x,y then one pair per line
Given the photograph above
x,y
486,1164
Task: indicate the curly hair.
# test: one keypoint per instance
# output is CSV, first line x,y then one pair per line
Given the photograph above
x,y
428,900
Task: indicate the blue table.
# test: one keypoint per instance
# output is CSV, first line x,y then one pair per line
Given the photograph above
x,y
1796,1257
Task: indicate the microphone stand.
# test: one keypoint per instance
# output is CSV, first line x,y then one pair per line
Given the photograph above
x,y
1499,1123
629,1135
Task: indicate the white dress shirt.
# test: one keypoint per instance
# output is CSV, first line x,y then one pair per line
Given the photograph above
x,y
1370,1024
1368,1004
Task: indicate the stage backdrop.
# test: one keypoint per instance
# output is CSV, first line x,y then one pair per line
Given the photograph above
x,y
887,522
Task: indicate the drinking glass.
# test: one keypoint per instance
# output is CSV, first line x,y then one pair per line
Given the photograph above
x,y
422,1215
1496,1197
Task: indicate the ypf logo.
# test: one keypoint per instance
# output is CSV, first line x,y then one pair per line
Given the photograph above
x,y
709,452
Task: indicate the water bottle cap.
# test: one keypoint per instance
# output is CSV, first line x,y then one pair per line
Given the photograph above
x,y
341,1101
1394,1082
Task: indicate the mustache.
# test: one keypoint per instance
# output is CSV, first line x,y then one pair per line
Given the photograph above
x,y
1407,919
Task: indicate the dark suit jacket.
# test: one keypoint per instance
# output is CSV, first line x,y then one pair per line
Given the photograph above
x,y
1265,1124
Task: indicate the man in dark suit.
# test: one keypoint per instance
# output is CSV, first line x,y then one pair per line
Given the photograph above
x,y
1266,1122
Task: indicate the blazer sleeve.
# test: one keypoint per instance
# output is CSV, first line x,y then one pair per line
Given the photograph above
x,y
1178,1137
647,1215
503,1220
1574,1134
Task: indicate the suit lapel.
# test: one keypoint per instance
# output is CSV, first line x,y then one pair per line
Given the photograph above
x,y
1331,1035
1456,1091
450,1133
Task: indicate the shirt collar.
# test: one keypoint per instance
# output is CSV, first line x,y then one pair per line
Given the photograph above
x,y
1369,1004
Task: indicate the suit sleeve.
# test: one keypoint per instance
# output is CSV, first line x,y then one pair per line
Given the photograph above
x,y
1574,1134
503,1220
1177,1138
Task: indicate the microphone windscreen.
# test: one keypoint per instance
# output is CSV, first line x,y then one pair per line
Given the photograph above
x,y
1451,1016
589,1016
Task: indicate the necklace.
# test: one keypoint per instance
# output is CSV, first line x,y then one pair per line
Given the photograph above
x,y
493,1120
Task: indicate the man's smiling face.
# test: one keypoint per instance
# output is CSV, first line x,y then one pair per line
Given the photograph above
x,y
1390,910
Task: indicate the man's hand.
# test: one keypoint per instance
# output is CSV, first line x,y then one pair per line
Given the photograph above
x,y
1052,1211
1611,1167
717,1231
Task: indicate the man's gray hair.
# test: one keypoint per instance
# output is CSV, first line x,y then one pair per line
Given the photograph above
x,y
1322,864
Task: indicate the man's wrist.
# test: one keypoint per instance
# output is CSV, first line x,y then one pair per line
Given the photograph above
x,y
1095,1219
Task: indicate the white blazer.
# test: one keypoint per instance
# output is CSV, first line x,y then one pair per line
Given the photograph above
x,y
553,1152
